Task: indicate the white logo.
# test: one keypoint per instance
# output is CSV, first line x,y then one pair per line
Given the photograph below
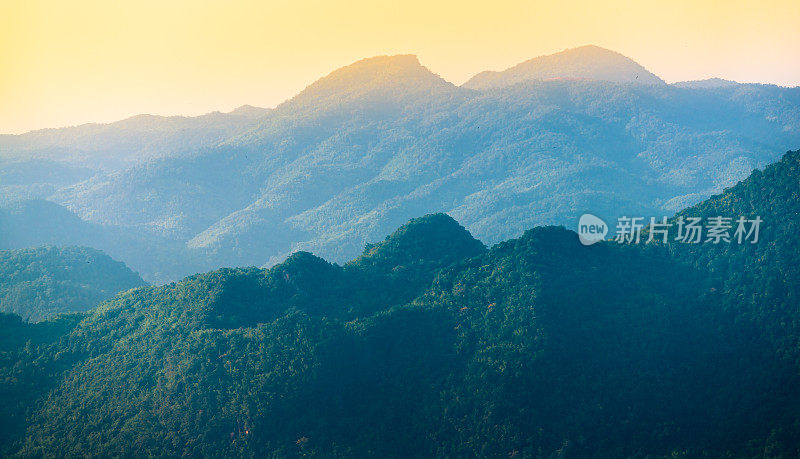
x,y
591,229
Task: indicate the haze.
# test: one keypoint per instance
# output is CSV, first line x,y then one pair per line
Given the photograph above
x,y
67,63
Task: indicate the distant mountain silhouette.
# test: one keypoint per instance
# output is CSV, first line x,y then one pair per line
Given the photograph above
x,y
381,76
119,144
583,63
706,84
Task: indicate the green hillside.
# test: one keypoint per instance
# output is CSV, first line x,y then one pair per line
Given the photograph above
x,y
41,282
760,283
431,345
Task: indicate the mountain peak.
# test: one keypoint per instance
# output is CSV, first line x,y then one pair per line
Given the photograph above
x,y
378,67
384,76
583,63
383,61
249,111
710,83
434,237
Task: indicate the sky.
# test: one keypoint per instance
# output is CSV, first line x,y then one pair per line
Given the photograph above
x,y
65,63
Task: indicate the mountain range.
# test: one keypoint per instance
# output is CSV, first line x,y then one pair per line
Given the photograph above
x,y
430,344
373,144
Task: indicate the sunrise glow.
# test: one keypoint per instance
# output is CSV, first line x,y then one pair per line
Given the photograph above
x,y
66,63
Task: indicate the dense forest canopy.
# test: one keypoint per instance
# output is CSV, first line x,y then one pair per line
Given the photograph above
x,y
45,281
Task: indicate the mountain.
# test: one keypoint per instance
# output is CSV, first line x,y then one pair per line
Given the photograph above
x,y
760,281
583,63
709,83
36,164
379,78
24,375
389,273
36,222
109,146
46,281
364,149
435,238
539,346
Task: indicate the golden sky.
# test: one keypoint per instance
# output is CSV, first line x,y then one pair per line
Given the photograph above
x,y
71,62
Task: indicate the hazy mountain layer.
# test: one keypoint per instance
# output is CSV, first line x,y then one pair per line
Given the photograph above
x,y
583,63
34,223
37,164
371,145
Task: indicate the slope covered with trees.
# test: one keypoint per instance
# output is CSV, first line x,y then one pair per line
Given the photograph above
x,y
28,369
41,282
760,282
431,345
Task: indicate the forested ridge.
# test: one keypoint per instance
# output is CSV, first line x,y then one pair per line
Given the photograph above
x,y
430,344
40,282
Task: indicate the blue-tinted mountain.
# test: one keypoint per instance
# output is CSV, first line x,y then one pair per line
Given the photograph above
x,y
36,222
366,148
709,83
583,63
38,163
127,141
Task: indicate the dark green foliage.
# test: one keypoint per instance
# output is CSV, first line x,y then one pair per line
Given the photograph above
x,y
759,280
435,240
389,273
28,369
45,281
590,350
397,269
